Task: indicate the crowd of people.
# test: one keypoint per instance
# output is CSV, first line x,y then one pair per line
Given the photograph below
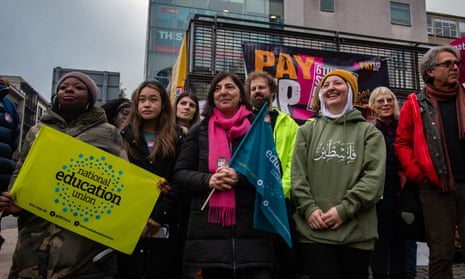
x,y
342,173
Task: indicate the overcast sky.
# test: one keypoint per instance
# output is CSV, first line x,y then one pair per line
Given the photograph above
x,y
451,7
103,35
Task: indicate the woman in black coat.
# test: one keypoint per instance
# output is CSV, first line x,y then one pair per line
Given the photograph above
x,y
152,142
388,260
221,239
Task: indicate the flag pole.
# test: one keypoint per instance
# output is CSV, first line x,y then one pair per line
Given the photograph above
x,y
264,106
208,199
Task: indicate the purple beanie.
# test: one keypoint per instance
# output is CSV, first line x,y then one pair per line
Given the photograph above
x,y
91,86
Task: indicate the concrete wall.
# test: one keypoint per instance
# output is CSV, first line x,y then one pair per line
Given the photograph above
x,y
372,18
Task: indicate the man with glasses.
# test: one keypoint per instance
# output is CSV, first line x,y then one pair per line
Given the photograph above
x,y
430,146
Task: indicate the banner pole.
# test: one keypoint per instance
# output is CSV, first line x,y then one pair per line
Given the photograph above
x,y
265,105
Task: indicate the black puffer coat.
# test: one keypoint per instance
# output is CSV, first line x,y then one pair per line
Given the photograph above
x,y
9,137
153,257
211,245
164,167
389,221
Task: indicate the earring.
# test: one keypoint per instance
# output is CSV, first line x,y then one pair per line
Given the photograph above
x,y
87,106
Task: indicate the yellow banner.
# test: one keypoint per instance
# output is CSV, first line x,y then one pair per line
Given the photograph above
x,y
178,75
86,190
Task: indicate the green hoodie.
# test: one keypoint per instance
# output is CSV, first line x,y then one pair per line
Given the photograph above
x,y
339,162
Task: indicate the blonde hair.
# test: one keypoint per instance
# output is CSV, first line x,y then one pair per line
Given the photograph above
x,y
382,90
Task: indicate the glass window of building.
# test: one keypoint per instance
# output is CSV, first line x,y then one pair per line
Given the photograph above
x,y
461,28
400,13
327,5
276,11
201,4
237,6
445,28
183,3
429,25
169,19
256,7
230,6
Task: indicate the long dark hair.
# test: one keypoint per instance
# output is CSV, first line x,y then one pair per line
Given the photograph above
x,y
209,105
165,130
194,98
113,106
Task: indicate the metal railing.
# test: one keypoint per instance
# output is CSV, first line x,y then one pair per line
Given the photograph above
x,y
215,45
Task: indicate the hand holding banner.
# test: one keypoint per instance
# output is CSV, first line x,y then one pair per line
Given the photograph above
x,y
86,190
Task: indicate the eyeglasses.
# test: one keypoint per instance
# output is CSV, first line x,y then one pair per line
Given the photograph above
x,y
384,100
449,64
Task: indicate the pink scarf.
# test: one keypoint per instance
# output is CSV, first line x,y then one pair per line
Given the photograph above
x,y
222,132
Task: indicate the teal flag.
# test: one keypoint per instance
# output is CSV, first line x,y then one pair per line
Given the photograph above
x,y
256,158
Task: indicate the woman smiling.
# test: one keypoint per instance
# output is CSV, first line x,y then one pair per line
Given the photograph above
x,y
337,177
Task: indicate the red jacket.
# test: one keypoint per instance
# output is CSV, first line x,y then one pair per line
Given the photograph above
x,y
411,147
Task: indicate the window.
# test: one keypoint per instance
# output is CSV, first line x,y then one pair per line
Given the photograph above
x,y
461,28
400,13
429,25
277,9
256,7
445,28
327,5
228,6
